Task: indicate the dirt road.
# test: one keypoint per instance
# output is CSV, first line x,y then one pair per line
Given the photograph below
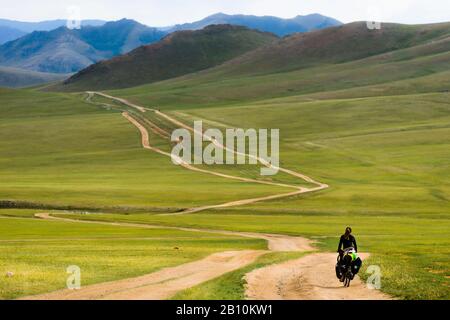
x,y
299,190
309,278
161,284
167,282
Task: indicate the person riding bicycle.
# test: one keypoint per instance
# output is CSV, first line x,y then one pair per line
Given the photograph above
x,y
347,240
348,255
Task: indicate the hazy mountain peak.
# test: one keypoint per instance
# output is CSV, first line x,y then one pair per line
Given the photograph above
x,y
47,25
64,50
278,26
121,22
218,15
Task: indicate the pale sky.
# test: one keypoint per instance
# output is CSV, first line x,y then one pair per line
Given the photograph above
x,y
168,12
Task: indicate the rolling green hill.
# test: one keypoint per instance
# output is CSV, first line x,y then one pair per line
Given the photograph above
x,y
180,53
422,60
335,45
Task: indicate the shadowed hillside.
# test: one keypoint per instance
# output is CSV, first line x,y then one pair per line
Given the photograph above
x,y
334,45
65,51
180,53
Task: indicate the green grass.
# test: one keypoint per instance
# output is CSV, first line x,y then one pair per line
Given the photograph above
x,y
18,213
231,286
38,252
381,150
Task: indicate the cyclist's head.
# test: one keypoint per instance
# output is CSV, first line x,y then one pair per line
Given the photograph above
x,y
348,231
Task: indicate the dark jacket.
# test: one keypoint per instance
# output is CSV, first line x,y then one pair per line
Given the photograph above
x,y
347,243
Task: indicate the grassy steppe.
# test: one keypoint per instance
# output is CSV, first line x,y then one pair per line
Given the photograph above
x,y
384,157
386,160
38,252
380,155
60,151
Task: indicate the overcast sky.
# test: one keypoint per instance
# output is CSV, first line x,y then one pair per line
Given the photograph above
x,y
168,12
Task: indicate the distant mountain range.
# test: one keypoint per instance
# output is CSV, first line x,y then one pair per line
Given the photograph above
x,y
12,30
50,47
66,51
278,26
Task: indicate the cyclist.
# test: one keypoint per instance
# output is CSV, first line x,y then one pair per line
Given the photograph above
x,y
348,255
347,241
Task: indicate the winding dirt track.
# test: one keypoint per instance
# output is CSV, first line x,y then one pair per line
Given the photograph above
x,y
309,278
167,282
146,145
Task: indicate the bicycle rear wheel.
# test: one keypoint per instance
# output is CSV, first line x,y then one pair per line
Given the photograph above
x,y
347,280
